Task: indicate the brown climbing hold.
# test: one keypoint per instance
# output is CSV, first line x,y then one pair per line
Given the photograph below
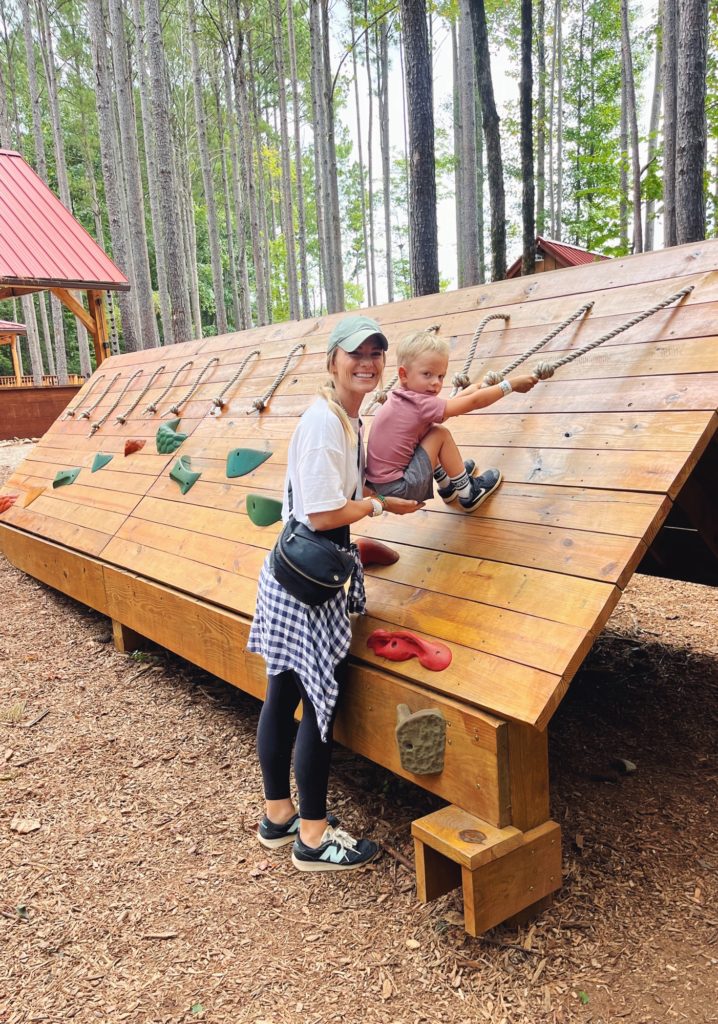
x,y
421,739
372,552
132,445
7,501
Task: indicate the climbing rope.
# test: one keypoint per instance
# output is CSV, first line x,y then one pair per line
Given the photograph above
x,y
153,406
545,370
96,426
124,416
71,412
496,376
218,402
91,408
262,403
462,380
175,409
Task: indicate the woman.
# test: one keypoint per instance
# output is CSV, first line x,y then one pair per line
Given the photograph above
x,y
306,648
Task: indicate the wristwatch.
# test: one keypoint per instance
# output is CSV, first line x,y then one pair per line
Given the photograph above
x,y
376,508
505,386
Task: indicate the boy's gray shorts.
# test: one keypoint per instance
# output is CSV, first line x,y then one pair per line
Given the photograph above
x,y
417,483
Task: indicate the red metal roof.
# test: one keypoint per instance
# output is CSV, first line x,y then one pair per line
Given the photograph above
x,y
565,255
8,327
41,243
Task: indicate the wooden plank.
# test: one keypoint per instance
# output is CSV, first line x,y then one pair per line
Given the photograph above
x,y
475,759
73,574
80,538
98,519
528,772
457,835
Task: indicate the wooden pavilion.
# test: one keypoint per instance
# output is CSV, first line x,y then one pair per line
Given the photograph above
x,y
595,461
10,335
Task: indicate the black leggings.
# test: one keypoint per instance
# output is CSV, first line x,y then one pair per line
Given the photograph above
x,y
312,757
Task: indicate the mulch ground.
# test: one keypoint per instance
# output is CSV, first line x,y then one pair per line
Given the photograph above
x,y
132,887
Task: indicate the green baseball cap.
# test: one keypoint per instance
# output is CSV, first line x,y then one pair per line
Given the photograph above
x,y
351,331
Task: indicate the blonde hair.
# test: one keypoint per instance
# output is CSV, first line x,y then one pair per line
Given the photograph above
x,y
328,392
418,342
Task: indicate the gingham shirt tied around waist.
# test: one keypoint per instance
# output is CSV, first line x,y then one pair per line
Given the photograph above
x,y
310,641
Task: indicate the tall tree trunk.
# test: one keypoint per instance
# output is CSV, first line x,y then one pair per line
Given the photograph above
x,y
133,179
207,181
33,344
287,205
298,170
113,198
405,124
670,119
385,150
333,196
371,253
578,187
228,227
627,66
551,133
168,207
623,172
654,122
469,227
480,180
261,181
422,178
691,111
493,140
240,201
362,173
559,124
5,139
458,135
541,117
528,259
321,163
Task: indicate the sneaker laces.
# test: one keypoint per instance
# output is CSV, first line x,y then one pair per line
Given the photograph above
x,y
340,837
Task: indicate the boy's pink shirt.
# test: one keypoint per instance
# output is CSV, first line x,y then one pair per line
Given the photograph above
x,y
398,427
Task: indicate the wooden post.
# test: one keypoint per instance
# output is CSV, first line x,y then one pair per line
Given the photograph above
x,y
15,359
126,640
96,303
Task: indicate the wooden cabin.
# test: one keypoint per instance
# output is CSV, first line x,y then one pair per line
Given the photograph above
x,y
595,460
553,255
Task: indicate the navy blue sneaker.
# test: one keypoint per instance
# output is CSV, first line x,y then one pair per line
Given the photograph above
x,y
448,493
273,836
338,851
481,487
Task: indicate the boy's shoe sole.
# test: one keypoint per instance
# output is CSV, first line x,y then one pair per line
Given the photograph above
x,y
484,491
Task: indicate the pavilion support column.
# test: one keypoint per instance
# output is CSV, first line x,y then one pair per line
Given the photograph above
x,y
100,334
15,360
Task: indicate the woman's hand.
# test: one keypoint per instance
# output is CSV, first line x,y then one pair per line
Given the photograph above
x,y
401,506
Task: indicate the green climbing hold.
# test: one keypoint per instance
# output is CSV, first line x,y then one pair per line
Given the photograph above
x,y
182,474
263,511
100,460
65,476
168,439
241,461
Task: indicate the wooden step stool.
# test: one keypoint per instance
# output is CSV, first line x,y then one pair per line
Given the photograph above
x,y
502,871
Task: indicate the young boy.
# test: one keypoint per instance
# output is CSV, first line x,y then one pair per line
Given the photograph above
x,y
407,448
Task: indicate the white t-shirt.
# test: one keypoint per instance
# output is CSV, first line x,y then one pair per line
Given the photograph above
x,y
321,464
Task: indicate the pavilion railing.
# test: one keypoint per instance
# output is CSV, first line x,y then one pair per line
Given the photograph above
x,y
48,380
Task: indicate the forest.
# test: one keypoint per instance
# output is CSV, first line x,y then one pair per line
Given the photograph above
x,y
248,162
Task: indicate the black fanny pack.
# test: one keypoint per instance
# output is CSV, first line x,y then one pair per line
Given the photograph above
x,y
308,563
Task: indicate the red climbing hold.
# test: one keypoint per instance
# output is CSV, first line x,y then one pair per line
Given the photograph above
x,y
400,646
7,501
372,552
133,445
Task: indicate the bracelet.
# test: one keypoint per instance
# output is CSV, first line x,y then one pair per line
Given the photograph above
x,y
505,386
382,499
376,508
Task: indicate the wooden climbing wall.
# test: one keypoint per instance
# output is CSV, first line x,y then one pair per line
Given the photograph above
x,y
593,462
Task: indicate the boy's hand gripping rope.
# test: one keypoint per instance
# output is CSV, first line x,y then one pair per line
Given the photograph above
x,y
496,376
218,403
102,420
71,412
262,403
124,416
153,406
545,370
175,409
462,380
91,408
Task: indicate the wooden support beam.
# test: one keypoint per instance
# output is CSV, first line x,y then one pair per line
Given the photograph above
x,y
75,307
126,640
98,312
15,359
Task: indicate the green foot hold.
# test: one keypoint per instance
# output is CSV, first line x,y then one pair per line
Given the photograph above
x,y
421,738
99,461
65,476
168,439
241,461
182,474
263,511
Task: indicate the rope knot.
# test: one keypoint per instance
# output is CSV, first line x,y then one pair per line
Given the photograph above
x,y
543,371
493,377
460,380
259,404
